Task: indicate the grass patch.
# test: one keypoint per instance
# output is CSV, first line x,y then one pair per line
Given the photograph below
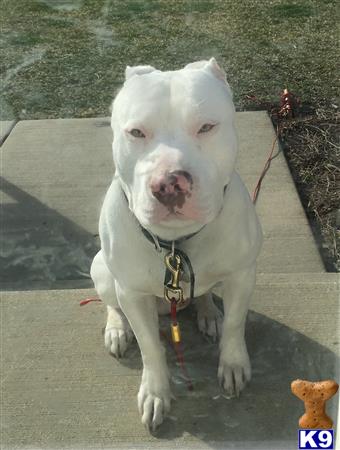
x,y
290,10
264,47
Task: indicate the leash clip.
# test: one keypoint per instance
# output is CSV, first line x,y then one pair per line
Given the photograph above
x,y
172,290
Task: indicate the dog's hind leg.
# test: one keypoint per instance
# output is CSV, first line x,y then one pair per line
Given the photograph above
x,y
118,333
209,317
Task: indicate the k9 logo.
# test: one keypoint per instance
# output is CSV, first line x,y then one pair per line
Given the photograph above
x,y
316,439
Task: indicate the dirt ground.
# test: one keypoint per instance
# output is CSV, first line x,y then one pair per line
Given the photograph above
x,y
311,146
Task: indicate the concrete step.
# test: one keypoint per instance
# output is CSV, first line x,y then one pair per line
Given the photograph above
x,y
305,302
289,254
61,389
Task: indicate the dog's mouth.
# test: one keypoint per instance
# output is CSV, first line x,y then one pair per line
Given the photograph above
x,y
174,215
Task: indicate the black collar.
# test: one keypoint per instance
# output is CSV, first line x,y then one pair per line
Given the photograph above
x,y
164,243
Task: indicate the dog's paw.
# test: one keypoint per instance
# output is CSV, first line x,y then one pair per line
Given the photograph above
x,y
118,333
234,370
117,340
209,319
154,400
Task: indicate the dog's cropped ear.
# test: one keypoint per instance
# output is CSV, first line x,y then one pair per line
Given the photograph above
x,y
215,69
210,66
137,70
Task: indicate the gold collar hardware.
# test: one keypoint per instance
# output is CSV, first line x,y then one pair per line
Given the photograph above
x,y
172,290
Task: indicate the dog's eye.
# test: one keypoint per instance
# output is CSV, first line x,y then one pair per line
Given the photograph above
x,y
206,127
137,133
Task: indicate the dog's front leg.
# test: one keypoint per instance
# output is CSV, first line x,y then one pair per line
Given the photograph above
x,y
154,395
234,366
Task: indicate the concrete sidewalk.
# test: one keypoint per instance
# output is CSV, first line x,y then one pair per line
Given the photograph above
x,y
60,389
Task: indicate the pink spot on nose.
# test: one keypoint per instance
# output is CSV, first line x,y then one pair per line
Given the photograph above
x,y
172,188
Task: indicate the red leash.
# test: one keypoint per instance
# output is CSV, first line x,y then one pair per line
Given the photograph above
x,y
289,105
265,168
176,339
89,300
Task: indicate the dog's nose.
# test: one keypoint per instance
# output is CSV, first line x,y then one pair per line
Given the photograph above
x,y
172,188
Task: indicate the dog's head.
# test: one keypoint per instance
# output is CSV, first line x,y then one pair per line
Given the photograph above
x,y
174,145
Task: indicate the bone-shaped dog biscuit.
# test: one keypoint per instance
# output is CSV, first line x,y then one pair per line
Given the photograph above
x,y
314,396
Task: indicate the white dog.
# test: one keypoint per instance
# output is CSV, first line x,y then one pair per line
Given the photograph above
x,y
174,150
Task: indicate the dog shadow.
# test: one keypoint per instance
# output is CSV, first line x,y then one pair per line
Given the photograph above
x,y
266,410
41,248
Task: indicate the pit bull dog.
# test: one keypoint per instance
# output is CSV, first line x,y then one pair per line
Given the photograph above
x,y
174,150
